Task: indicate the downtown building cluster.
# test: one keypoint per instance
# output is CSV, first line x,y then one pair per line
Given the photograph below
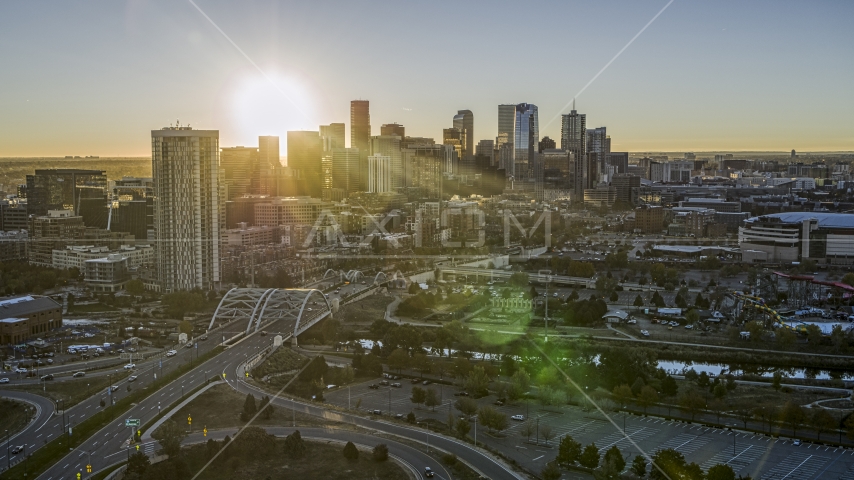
x,y
214,215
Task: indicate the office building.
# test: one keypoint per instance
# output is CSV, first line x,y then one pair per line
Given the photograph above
x,y
389,146
379,173
291,211
332,136
557,168
270,163
526,140
464,122
599,142
241,171
345,170
618,161
393,129
108,274
627,187
62,189
506,136
486,148
304,156
573,139
455,138
649,219
546,144
798,236
360,136
13,214
188,207
425,166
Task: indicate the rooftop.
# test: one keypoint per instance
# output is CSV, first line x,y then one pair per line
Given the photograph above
x,y
825,220
24,306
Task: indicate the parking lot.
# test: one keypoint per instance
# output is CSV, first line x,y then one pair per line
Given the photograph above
x,y
760,456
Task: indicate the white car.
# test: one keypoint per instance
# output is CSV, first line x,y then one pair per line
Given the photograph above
x,y
171,353
20,370
4,380
132,378
130,366
632,321
520,418
645,333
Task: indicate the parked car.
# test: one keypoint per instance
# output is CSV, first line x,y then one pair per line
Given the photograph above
x,y
384,382
377,412
425,382
518,418
373,386
645,333
396,385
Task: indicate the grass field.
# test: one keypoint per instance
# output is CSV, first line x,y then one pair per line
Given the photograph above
x,y
220,407
365,311
14,415
321,460
74,391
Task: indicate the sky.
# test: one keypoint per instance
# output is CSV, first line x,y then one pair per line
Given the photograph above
x,y
94,77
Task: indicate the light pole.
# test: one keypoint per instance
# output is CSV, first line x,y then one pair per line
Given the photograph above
x,y
8,460
475,431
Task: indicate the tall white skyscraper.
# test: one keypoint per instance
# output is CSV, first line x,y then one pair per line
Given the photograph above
x,y
189,213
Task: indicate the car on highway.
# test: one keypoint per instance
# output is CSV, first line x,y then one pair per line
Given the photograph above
x,y
79,374
113,388
132,378
20,370
428,472
47,377
377,412
4,380
17,449
203,338
518,418
171,353
130,366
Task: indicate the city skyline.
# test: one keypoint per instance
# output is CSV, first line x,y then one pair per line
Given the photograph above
x,y
701,77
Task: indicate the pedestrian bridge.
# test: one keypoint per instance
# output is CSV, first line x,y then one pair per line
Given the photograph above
x,y
299,308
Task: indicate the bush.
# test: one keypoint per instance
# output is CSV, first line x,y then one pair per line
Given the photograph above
x,y
351,452
449,459
380,453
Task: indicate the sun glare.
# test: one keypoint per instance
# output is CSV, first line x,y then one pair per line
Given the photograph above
x,y
272,106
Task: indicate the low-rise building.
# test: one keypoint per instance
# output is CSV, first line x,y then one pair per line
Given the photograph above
x,y
109,274
28,316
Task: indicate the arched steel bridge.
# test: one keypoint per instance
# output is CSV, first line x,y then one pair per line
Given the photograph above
x,y
354,276
300,308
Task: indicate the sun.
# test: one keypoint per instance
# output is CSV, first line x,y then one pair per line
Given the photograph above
x,y
272,104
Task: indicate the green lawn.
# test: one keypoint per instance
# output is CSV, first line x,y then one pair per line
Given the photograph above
x,y
74,391
14,415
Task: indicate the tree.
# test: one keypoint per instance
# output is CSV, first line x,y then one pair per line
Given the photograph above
x,y
637,386
418,395
294,446
170,435
551,471
488,417
351,452
185,327
647,397
639,466
692,403
431,399
547,433
135,287
569,450
467,406
266,408
744,415
138,463
623,394
717,405
589,456
463,428
398,360
607,471
776,381
638,301
793,415
671,463
767,414
613,455
719,391
526,430
380,452
249,408
477,382
720,472
669,388
520,382
849,427
848,278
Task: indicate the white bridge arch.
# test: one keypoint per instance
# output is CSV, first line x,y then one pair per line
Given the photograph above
x,y
300,308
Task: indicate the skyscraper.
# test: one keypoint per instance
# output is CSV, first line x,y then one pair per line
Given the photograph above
x,y
270,164
379,173
393,129
455,138
526,140
360,136
332,136
506,136
240,171
345,169
188,207
304,156
599,142
464,122
573,138
389,145
547,144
